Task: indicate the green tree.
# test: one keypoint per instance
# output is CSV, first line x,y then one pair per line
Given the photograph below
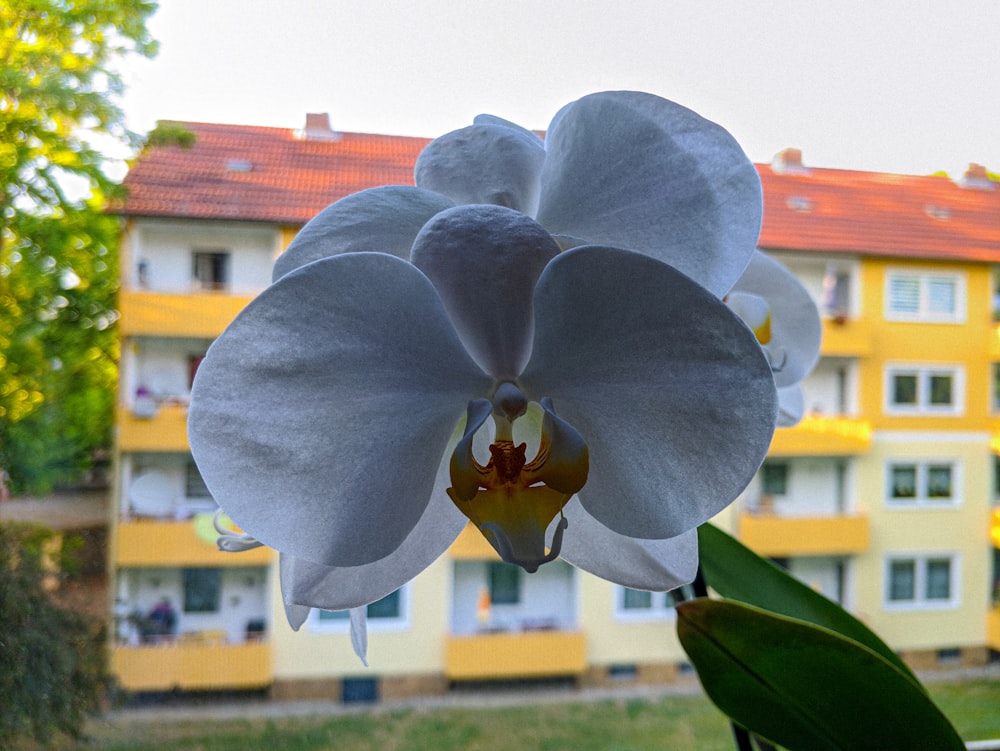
x,y
52,661
58,110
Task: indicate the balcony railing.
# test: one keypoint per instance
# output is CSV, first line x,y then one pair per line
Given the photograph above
x,y
846,337
525,654
993,628
192,666
150,542
821,435
163,430
781,536
199,315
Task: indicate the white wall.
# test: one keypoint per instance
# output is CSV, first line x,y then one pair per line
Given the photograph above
x,y
163,365
812,488
243,598
165,248
831,389
547,596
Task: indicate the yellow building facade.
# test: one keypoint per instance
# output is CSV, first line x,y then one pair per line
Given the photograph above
x,y
882,497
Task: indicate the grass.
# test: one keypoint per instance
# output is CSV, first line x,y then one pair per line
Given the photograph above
x,y
686,722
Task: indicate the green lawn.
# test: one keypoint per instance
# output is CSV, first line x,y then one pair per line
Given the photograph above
x,y
678,723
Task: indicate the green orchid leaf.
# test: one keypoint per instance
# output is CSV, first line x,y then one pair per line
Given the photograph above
x,y
805,687
737,573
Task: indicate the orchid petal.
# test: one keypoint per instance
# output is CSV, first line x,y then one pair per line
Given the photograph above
x,y
484,262
382,220
791,406
344,588
633,170
359,633
492,161
295,614
651,565
795,323
660,378
319,418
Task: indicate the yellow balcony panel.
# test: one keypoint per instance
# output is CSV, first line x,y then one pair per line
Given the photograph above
x,y
994,351
851,337
528,654
818,435
199,315
472,546
993,629
781,536
167,431
148,542
193,667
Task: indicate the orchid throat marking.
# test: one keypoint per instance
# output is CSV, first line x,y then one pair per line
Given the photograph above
x,y
511,500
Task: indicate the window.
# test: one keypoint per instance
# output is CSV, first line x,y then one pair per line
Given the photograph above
x,y
927,297
921,581
774,478
924,391
922,484
194,484
836,292
210,269
390,611
637,605
505,584
202,589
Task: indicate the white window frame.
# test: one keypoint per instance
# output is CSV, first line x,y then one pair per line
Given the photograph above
x,y
343,625
921,500
923,314
920,600
662,608
924,373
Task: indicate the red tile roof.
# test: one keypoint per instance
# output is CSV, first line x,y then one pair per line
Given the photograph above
x,y
871,213
236,172
250,173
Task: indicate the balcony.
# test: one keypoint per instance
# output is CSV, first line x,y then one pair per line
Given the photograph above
x,y
526,654
993,628
846,337
166,430
788,536
199,315
470,545
192,665
820,435
150,543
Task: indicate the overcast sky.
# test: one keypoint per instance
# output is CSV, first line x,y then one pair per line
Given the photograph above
x,y
888,85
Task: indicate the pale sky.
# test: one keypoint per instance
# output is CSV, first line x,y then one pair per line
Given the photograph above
x,y
910,86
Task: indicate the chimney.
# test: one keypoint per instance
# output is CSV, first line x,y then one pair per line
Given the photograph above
x,y
977,177
789,161
318,128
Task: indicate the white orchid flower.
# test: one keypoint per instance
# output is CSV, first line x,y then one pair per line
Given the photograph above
x,y
784,316
335,419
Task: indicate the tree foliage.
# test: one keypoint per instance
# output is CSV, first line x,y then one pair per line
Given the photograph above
x,y
52,662
58,100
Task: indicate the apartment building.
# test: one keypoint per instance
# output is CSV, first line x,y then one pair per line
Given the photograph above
x,y
882,497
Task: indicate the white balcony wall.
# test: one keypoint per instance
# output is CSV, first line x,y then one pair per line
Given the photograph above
x,y
163,486
242,599
826,575
163,367
833,283
831,389
548,599
815,486
162,255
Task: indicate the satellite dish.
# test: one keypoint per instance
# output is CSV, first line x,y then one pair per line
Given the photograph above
x,y
153,494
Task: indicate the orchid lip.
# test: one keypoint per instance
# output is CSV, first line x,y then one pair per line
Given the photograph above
x,y
511,500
